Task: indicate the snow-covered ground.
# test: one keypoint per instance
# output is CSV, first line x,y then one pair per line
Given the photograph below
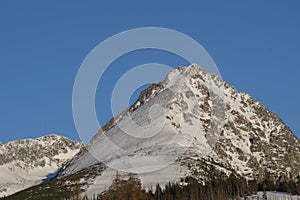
x,y
149,180
273,196
14,179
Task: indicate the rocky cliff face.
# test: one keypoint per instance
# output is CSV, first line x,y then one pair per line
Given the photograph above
x,y
24,163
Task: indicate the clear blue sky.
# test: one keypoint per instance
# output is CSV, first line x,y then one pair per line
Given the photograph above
x,y
256,45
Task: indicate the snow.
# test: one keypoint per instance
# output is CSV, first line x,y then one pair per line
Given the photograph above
x,y
66,156
101,183
14,179
149,180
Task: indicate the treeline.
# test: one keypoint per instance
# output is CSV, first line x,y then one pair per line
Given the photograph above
x,y
130,188
232,187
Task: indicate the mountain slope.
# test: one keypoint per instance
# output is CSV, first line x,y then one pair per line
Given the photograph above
x,y
24,163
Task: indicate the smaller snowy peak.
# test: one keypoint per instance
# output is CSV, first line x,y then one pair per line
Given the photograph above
x,y
24,163
31,153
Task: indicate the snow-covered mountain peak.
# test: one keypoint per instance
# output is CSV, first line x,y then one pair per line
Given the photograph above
x,y
190,124
29,151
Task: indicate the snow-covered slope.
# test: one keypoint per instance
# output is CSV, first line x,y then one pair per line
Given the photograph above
x,y
24,163
188,125
157,128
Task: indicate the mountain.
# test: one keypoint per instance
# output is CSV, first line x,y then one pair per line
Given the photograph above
x,y
192,124
24,163
188,124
